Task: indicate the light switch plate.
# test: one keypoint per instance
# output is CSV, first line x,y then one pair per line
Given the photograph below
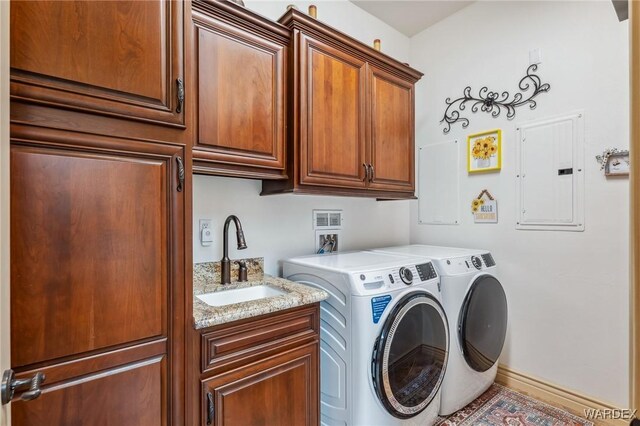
x,y
206,233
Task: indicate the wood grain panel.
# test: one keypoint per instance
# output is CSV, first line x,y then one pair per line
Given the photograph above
x,y
129,395
237,95
392,132
332,146
107,360
89,258
239,73
229,346
115,57
344,139
282,390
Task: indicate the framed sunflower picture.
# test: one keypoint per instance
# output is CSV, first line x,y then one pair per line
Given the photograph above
x,y
484,151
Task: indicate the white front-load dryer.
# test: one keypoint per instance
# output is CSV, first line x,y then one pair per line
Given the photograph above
x,y
476,307
384,337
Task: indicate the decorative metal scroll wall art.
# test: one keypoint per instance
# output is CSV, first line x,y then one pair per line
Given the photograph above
x,y
493,102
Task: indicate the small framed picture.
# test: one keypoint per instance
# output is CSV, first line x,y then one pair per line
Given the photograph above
x,y
617,164
484,151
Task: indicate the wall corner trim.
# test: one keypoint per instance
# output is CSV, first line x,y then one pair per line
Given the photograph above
x,y
555,395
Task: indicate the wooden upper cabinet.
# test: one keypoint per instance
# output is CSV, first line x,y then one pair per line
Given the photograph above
x,y
120,58
351,125
239,71
392,135
332,116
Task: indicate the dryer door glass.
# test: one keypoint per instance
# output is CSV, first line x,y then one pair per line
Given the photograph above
x,y
411,355
483,323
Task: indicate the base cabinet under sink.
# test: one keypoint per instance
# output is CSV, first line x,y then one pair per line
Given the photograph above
x,y
280,390
262,370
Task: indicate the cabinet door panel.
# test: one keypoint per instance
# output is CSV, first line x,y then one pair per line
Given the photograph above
x,y
392,132
332,143
241,105
88,253
114,57
281,390
129,395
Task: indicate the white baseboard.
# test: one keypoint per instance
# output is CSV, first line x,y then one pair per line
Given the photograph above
x,y
557,396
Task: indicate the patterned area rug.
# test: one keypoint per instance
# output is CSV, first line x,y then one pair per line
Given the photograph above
x,y
504,407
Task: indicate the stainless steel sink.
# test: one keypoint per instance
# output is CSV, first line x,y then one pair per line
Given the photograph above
x,y
239,295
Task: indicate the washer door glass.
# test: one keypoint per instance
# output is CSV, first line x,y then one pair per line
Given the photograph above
x,y
410,356
483,323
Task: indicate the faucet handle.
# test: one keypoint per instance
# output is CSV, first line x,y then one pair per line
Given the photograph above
x,y
242,270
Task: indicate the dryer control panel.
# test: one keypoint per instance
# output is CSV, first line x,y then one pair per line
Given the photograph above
x,y
374,282
466,264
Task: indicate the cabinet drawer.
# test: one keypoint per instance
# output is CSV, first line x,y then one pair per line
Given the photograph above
x,y
226,346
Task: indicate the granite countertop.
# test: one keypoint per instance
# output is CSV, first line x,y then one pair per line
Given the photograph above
x,y
206,279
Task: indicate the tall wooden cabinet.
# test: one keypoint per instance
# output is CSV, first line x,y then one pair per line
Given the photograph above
x,y
351,116
100,211
97,248
239,64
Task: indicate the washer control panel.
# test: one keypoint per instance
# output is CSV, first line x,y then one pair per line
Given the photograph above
x,y
426,271
394,278
406,275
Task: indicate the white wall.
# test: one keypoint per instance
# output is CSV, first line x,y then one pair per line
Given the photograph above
x,y
567,291
280,226
4,197
346,17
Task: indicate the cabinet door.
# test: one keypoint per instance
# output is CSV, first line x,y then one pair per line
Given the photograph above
x,y
120,58
96,285
332,116
281,390
392,132
241,100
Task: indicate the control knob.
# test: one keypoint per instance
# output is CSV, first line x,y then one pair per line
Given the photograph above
x,y
406,275
476,262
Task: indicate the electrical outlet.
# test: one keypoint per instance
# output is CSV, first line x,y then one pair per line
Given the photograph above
x,y
206,234
327,241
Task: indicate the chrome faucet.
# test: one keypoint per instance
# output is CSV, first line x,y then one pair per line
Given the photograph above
x,y
225,276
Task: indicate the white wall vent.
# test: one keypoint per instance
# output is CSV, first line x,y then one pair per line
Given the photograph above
x,y
327,219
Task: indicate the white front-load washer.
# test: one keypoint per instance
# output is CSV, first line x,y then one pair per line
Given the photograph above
x,y
476,307
384,337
